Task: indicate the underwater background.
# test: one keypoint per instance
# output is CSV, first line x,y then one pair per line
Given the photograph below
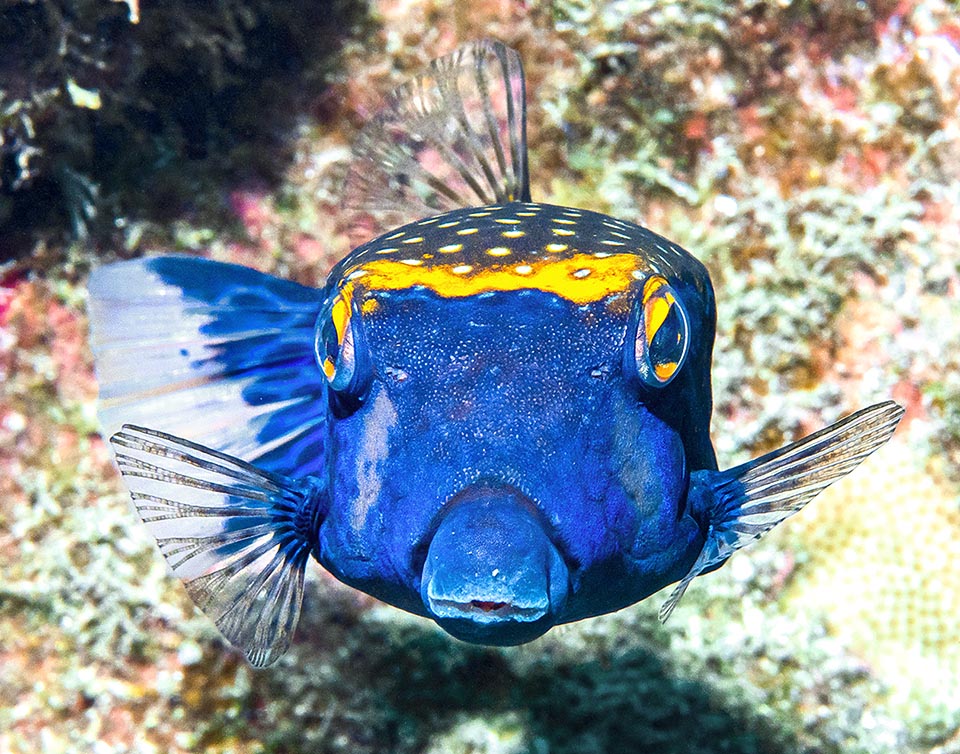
x,y
808,152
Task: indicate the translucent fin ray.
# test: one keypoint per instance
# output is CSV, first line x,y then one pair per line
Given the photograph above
x,y
238,537
216,352
749,500
455,136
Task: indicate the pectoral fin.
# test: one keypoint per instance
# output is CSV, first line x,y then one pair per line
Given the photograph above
x,y
743,503
238,537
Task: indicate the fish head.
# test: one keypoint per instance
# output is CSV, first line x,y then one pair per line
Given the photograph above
x,y
512,426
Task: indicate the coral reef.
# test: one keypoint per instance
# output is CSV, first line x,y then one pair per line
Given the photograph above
x,y
806,150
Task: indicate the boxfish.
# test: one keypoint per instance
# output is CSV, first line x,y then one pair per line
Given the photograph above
x,y
494,414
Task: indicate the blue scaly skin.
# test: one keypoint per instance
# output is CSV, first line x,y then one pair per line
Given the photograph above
x,y
497,340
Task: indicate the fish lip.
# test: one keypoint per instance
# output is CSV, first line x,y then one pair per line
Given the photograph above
x,y
493,573
503,633
477,611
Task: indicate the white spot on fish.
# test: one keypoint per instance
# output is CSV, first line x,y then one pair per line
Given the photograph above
x,y
372,452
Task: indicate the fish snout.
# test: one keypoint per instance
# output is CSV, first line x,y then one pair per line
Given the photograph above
x,y
492,574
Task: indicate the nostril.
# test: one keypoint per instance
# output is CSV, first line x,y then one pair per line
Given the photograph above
x,y
488,607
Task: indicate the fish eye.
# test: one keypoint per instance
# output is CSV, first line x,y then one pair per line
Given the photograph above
x,y
340,347
660,343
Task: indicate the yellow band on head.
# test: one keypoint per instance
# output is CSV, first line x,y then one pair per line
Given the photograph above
x,y
580,278
653,284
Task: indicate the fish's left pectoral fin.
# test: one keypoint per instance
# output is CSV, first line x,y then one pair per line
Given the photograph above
x,y
743,503
238,537
455,136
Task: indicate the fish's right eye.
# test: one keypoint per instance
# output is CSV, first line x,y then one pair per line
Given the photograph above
x,y
341,348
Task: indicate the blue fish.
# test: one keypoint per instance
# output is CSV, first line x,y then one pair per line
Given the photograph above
x,y
495,415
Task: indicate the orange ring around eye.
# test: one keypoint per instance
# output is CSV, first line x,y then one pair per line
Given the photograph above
x,y
333,335
658,359
665,371
329,368
655,313
340,314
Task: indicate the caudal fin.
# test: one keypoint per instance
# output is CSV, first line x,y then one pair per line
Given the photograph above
x,y
237,536
749,500
216,352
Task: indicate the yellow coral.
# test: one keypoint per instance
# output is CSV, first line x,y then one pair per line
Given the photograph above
x,y
879,557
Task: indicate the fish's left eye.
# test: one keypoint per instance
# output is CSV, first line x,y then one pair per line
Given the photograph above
x,y
341,348
661,339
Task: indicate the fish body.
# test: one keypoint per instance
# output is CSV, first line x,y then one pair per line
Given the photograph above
x,y
496,415
497,336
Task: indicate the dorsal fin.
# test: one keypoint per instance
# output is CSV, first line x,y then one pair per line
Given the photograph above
x,y
453,137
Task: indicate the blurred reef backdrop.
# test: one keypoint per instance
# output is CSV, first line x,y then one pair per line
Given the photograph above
x,y
807,151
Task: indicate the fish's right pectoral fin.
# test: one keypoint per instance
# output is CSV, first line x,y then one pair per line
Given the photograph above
x,y
238,537
743,503
453,137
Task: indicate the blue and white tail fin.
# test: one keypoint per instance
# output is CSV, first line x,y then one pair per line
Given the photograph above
x,y
455,136
745,502
218,353
237,536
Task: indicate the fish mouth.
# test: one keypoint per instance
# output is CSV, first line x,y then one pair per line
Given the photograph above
x,y
492,574
484,610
